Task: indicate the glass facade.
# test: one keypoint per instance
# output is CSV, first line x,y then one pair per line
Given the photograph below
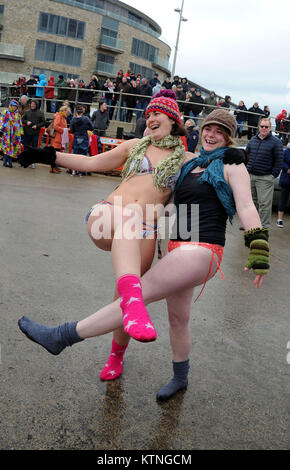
x,y
61,26
59,53
145,71
144,50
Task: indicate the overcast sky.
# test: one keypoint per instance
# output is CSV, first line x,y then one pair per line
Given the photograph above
x,y
237,48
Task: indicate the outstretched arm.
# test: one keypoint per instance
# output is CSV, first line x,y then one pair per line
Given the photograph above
x,y
239,180
105,162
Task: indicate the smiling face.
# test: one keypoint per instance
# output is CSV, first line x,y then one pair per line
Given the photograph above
x,y
212,137
159,124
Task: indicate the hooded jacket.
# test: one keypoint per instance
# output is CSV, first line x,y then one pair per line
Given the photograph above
x,y
40,86
212,102
36,117
49,91
226,103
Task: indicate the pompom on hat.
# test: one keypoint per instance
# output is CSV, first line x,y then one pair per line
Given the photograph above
x,y
222,118
165,102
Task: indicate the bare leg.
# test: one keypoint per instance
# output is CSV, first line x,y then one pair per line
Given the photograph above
x,y
180,339
179,329
147,256
125,226
114,365
178,270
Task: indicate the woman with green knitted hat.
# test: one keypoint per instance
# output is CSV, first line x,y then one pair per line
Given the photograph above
x,y
217,182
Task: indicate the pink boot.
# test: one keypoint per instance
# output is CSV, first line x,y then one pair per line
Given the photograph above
x,y
136,320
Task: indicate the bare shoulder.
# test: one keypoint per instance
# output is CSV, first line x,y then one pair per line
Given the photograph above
x,y
190,156
126,146
235,172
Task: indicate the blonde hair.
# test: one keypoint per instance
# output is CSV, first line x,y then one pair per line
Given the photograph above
x,y
65,109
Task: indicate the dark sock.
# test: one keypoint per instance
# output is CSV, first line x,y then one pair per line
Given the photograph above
x,y
179,381
53,339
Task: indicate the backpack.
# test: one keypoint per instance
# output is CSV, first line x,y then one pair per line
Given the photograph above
x,y
50,130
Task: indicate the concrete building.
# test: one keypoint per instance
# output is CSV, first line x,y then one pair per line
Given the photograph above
x,y
78,38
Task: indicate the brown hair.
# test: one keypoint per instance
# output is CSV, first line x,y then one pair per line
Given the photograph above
x,y
178,130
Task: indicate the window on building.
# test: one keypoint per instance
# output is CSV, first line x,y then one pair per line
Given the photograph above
x,y
109,23
61,26
59,53
135,18
107,59
144,50
145,71
1,9
109,32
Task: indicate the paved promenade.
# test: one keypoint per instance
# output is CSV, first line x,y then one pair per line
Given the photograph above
x,y
238,393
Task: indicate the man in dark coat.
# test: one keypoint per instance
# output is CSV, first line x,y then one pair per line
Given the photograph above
x,y
253,119
265,163
100,119
144,91
197,106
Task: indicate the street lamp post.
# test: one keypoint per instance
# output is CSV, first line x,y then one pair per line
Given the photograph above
x,y
178,10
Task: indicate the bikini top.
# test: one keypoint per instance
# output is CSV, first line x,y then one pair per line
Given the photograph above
x,y
145,168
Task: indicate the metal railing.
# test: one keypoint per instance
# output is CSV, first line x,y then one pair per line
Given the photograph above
x,y
108,41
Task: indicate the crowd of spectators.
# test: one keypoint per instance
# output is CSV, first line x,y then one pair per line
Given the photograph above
x,y
70,101
128,94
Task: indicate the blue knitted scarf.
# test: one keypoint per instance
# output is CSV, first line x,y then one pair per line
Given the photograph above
x,y
214,175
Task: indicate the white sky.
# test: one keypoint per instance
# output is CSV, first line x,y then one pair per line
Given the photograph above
x,y
239,48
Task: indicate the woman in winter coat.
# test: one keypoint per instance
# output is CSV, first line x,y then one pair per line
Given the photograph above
x,y
49,93
59,125
280,122
284,183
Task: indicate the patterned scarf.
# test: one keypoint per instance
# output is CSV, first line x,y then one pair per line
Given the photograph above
x,y
214,175
164,170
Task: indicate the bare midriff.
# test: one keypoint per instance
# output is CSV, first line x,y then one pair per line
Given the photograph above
x,y
139,190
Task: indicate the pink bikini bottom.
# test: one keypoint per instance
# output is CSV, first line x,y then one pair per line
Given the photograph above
x,y
217,250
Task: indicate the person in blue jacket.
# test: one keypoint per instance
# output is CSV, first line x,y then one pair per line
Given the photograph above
x,y
284,183
193,135
40,86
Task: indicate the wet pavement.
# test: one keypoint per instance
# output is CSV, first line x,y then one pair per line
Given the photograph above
x,y
238,393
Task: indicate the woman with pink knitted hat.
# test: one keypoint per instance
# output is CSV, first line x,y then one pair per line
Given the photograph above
x,y
217,181
126,221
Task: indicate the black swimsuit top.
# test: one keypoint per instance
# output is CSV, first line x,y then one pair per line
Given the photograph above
x,y
201,216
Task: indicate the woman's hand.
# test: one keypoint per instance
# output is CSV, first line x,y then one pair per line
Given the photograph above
x,y
258,279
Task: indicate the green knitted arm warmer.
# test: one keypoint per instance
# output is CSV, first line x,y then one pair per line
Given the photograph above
x,y
257,240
